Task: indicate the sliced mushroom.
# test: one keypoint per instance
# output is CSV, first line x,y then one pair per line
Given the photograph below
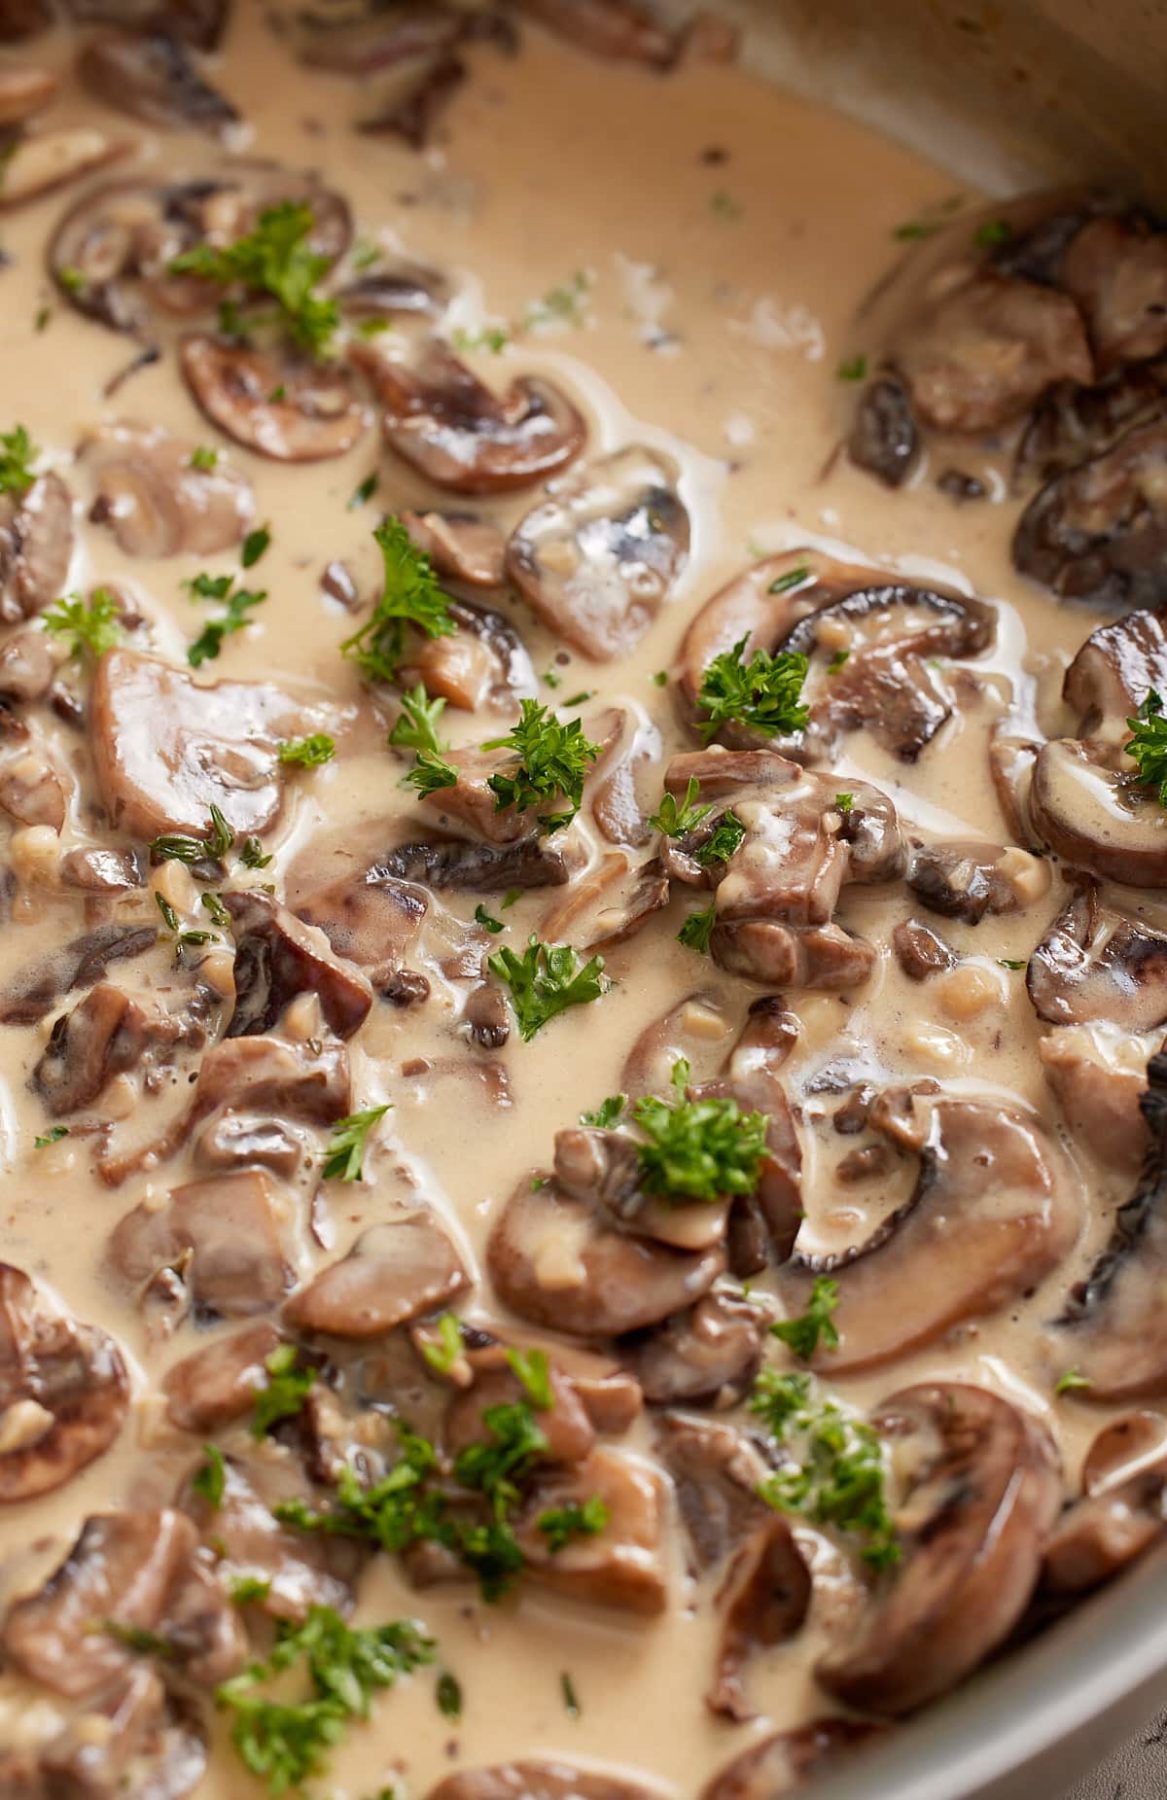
x,y
370,918
785,1759
994,1209
885,439
129,1737
482,663
151,493
1086,804
598,557
217,743
570,1436
610,904
1122,1511
717,1472
394,1272
623,1565
106,1035
96,871
1071,424
920,951
45,160
288,408
24,90
985,1489
199,22
152,76
218,1384
224,1237
532,862
1098,532
763,1600
1116,270
617,30
28,665
1115,670
77,964
33,789
535,1780
36,547
64,1391
968,881
278,957
1098,1077
445,423
1097,963
460,545
709,1354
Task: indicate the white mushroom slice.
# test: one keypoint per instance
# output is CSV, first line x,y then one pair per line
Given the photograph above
x,y
1099,1077
156,498
36,547
1115,670
598,557
394,1272
49,159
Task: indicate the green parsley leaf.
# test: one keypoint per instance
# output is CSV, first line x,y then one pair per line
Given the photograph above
x,y
725,841
1012,962
52,1136
844,803
431,773
346,1147
94,624
564,305
446,1353
448,1694
545,980
835,1473
551,679
204,458
364,254
364,491
914,229
275,259
491,338
416,727
992,233
763,694
487,920
802,1335
677,820
661,678
552,760
17,455
571,1705
210,1479
697,1149
607,1113
852,368
1071,1381
255,545
1148,745
793,578
411,595
561,1524
288,1386
723,206
697,930
248,1590
308,752
533,1370
138,1639
240,602
838,661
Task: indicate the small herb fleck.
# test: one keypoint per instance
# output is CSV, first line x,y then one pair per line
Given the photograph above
x,y
487,920
210,1478
52,1136
255,545
852,368
782,584
288,1386
1071,1382
308,752
364,491
448,1694
803,1335
204,458
697,930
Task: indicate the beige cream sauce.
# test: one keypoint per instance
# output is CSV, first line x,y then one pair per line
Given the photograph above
x,y
549,164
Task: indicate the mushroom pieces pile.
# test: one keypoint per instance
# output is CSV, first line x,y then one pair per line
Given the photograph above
x,y
1041,324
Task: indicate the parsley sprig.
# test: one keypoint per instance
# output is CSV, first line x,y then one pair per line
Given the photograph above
x,y
310,752
560,1525
697,930
1148,745
92,625
344,1157
18,453
724,841
551,760
697,1149
277,260
411,596
239,603
416,727
545,980
431,772
763,694
287,1387
678,818
803,1334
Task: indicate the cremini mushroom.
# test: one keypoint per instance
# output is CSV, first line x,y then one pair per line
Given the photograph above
x,y
36,547
622,1565
785,1759
1096,963
717,1472
44,160
971,881
618,30
105,1035
24,90
599,556
484,663
64,1391
217,1384
277,957
709,1354
763,1600
1122,1509
394,1272
76,964
158,498
152,76
1114,671
224,1237
1087,805
460,545
1098,1076
287,407
539,1780
984,1487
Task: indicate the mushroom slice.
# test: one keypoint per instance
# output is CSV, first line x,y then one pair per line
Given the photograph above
x,y
223,1236
1099,1077
920,951
1116,270
165,747
24,91
623,1565
968,881
532,862
48,159
1115,670
538,1780
1097,963
785,1759
446,424
1112,1326
555,1262
64,1391
36,547
994,1209
276,958
1086,804
77,964
1071,424
371,918
565,1424
598,557
985,1489
602,1167
763,1601
1098,532
288,408
1122,1511
460,545
149,491
152,76
709,1354
299,1570
394,1272
617,30
884,438
717,1472
130,1737
218,1384
105,1035
482,663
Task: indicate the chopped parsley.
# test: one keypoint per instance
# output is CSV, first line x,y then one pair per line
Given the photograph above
x,y
174,846
17,455
275,259
210,1478
416,727
913,229
204,458
491,338
1148,745
992,233
443,1355
764,693
676,819
571,1705
364,491
560,1525
94,625
255,544
552,760
697,1149
838,661
137,1639
487,920
844,803
563,305
852,368
344,1156
1012,962
545,980
803,1335
607,1113
52,1136
430,773
308,752
1071,1382
793,578
725,841
697,930
288,1386
723,206
239,602
534,1372
448,1694
661,678
835,1475
411,595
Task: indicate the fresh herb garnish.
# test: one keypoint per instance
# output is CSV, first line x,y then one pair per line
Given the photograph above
x,y
204,458
174,846
448,1694
492,338
793,578
661,678
252,854
724,842
52,1136
248,1590
487,920
571,1703
836,1474
991,233
364,491
563,305
416,727
677,819
17,455
551,679
255,545
447,1352
607,1113
763,694
913,229
288,1386
697,930
430,773
94,625
844,803
545,980
723,206
308,752
275,259
561,1524
697,1149
534,1372
552,760
1012,962
137,1639
210,1478
803,1335
1148,745
213,904
344,1156
1071,1381
174,925
411,595
838,661
239,603
852,368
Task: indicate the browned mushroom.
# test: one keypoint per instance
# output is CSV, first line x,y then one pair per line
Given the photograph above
x,y
460,545
1116,270
534,1780
763,1601
565,1425
209,743
985,1489
1087,805
884,437
64,1391
107,1034
198,22
278,957
394,1272
598,557
969,881
34,789
1096,963
623,1564
152,76
370,918
709,1354
448,862
920,951
617,30
224,1237
289,408
36,547
218,1383
1122,1511
24,90
994,1209
445,423
28,665
482,663
1099,1079
41,161
158,498
1072,424
785,1759
1115,670
717,1472
77,964
130,1736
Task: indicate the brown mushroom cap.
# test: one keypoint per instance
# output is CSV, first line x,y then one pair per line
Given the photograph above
x,y
395,1271
1097,963
289,408
445,423
1115,670
36,547
155,501
152,76
763,1600
624,1564
1086,804
986,1489
710,1353
69,1379
226,1236
1122,1511
539,1780
218,1383
598,557
784,1760
994,1209
972,880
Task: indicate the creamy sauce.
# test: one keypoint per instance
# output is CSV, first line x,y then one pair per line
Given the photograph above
x,y
719,297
